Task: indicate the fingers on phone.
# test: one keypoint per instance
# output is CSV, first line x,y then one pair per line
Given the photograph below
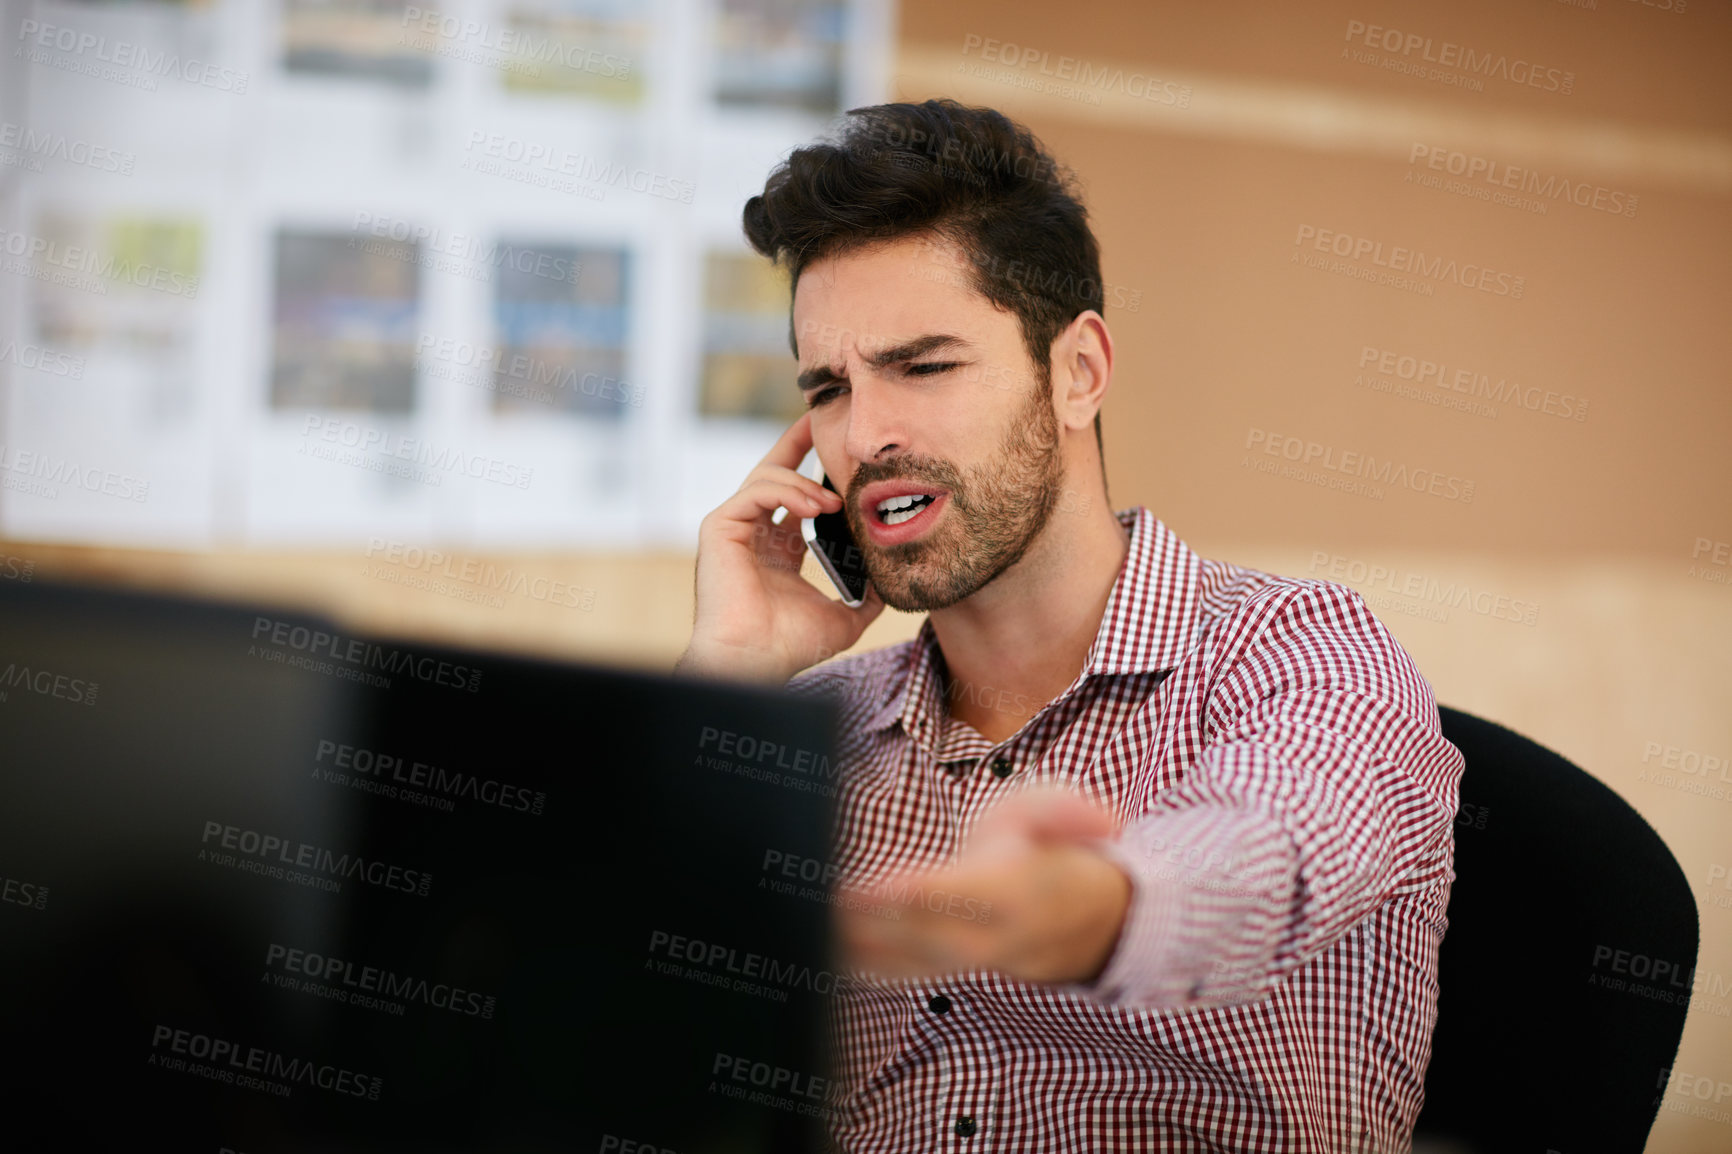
x,y
762,496
775,474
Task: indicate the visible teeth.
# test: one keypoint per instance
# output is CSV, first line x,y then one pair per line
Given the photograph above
x,y
895,510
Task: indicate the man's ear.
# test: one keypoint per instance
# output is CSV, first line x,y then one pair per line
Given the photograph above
x,y
1082,369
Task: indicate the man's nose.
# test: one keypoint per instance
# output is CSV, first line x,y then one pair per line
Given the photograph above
x,y
876,425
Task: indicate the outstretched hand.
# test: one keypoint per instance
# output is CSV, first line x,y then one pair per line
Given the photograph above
x,y
1030,896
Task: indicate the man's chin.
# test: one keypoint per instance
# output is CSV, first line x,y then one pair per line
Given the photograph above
x,y
913,597
918,587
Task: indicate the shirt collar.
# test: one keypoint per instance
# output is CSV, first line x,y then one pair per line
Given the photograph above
x,y
1148,627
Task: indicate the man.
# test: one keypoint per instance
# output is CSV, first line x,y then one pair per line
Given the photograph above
x,y
1170,840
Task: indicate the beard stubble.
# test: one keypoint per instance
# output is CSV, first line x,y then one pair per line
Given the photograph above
x,y
1001,510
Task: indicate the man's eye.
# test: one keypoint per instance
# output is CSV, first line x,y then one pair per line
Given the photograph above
x,y
928,368
823,396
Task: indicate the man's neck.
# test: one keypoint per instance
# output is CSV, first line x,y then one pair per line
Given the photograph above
x,y
1018,643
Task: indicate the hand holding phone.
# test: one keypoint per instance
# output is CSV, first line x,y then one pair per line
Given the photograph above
x,y
756,616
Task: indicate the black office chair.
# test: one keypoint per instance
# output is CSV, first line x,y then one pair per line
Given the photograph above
x,y
1564,977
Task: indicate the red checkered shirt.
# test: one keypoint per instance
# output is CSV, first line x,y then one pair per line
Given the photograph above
x,y
1285,805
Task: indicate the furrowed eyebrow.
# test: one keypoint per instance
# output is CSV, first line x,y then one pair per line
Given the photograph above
x,y
917,347
820,375
817,377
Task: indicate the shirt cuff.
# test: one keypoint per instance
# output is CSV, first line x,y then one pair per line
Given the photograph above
x,y
1201,926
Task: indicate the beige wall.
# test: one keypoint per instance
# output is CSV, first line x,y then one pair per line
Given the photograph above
x,y
1592,523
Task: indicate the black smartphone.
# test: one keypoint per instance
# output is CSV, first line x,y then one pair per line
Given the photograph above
x,y
832,542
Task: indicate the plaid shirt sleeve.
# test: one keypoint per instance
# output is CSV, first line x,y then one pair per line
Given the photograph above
x,y
1324,786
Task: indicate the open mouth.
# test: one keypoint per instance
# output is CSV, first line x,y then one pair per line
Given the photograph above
x,y
896,510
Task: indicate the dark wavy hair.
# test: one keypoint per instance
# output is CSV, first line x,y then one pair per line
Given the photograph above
x,y
969,175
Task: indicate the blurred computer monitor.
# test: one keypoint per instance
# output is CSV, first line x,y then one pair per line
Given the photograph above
x,y
270,885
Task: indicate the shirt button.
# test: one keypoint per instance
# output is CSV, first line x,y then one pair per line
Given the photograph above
x,y
965,1126
938,1004
1002,767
